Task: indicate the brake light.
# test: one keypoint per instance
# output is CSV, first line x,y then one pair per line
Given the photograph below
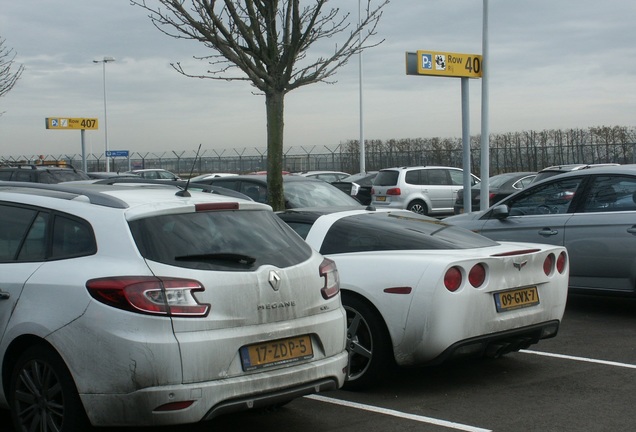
x,y
561,262
516,252
150,295
329,271
394,191
216,206
548,264
453,279
477,275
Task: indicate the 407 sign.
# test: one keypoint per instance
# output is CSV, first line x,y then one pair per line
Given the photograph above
x,y
71,123
448,64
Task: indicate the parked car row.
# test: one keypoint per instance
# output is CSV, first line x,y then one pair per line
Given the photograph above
x,y
429,190
199,304
425,190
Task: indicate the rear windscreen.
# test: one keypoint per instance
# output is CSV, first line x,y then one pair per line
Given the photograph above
x,y
386,178
384,232
219,240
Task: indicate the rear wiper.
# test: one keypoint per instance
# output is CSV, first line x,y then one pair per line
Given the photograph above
x,y
232,257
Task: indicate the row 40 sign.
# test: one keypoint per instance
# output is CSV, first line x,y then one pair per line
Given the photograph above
x,y
448,64
71,123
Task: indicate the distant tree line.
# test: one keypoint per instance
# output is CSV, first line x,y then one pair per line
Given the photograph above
x,y
514,151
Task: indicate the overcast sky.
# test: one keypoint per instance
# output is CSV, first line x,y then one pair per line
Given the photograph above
x,y
553,65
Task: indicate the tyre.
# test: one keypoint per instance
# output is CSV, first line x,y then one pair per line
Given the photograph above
x,y
368,344
419,207
42,394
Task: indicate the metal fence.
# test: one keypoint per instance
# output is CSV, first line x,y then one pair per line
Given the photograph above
x,y
521,151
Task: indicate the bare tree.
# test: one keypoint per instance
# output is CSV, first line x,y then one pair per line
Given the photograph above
x,y
9,75
267,42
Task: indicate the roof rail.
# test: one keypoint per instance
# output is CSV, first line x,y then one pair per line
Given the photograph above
x,y
94,197
181,184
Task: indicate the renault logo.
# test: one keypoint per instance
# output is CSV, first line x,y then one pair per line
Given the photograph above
x,y
274,279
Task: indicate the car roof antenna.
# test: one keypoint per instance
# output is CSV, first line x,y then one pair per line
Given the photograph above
x,y
184,192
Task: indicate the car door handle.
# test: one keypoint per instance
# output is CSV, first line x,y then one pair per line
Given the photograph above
x,y
632,230
547,232
4,295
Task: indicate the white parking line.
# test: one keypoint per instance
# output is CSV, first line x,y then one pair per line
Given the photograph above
x,y
582,359
448,424
394,413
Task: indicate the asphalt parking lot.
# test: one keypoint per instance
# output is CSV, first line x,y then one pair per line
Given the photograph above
x,y
582,380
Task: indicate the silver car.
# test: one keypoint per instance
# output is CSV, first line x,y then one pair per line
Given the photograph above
x,y
149,305
427,190
591,212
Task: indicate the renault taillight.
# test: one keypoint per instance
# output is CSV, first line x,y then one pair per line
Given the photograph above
x,y
150,295
329,271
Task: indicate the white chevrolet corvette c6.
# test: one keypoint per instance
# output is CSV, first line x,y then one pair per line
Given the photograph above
x,y
418,291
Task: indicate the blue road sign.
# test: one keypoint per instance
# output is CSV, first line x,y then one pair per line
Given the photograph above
x,y
117,153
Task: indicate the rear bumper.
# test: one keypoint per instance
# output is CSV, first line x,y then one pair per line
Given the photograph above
x,y
497,344
210,399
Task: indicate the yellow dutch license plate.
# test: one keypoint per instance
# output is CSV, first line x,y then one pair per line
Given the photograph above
x,y
380,198
516,299
275,353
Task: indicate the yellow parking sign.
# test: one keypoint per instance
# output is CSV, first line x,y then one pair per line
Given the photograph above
x,y
71,123
448,64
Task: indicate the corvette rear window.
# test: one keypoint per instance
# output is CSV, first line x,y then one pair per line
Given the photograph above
x,y
378,232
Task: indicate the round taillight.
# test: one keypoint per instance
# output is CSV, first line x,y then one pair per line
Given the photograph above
x,y
453,279
548,264
561,262
477,275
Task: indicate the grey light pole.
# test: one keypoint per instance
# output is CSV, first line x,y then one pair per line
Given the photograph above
x,y
361,144
485,132
103,62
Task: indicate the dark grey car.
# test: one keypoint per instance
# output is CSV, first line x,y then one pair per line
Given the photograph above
x,y
299,191
591,212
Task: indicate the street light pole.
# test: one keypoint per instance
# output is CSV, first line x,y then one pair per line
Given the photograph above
x,y
103,62
361,144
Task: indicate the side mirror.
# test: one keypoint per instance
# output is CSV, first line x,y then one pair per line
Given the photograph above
x,y
500,212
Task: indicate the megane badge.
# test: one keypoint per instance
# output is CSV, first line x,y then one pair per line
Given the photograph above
x,y
274,279
520,265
